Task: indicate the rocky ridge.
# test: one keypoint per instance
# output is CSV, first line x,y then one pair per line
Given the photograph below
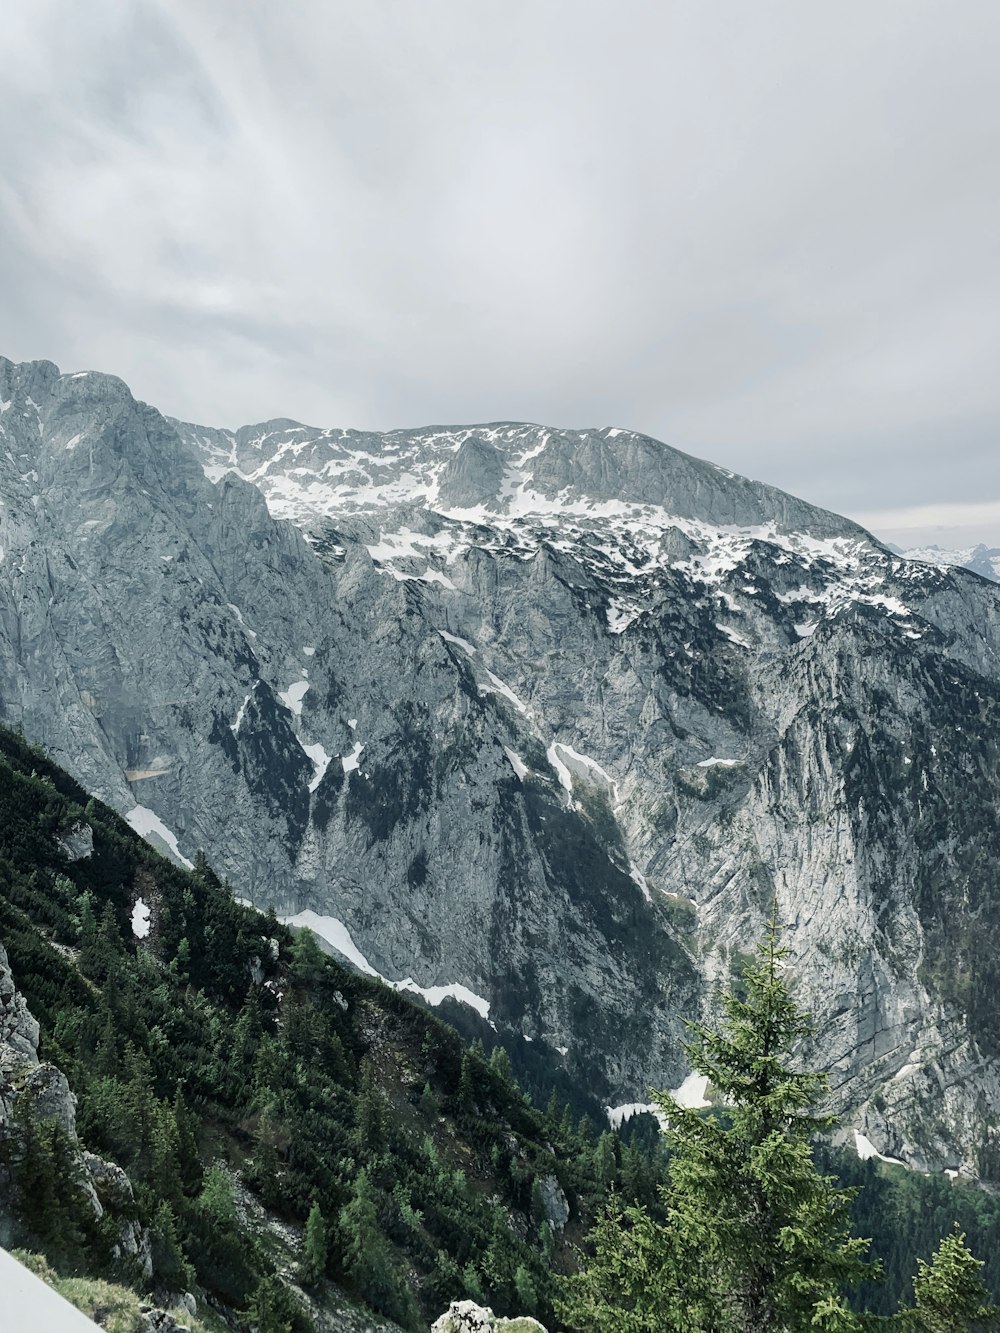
x,y
538,720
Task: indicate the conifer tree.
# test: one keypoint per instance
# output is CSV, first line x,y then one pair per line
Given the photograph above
x,y
950,1296
500,1063
756,1239
314,1250
527,1297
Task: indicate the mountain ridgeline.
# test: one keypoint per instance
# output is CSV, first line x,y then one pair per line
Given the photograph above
x,y
540,720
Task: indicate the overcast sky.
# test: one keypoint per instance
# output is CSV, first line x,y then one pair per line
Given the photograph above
x,y
765,231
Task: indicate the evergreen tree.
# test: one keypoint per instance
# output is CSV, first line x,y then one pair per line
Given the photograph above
x,y
365,1253
525,1288
314,1249
369,1113
276,1310
500,1063
756,1239
949,1293
466,1096
187,1144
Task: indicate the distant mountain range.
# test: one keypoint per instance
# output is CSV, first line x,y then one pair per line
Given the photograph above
x,y
981,559
540,720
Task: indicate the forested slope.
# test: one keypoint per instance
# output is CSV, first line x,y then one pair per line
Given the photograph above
x,y
242,1078
247,1083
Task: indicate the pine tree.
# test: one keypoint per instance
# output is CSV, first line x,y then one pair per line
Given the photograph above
x,y
191,1171
525,1288
756,1240
314,1249
276,1310
949,1293
369,1113
466,1096
366,1256
500,1064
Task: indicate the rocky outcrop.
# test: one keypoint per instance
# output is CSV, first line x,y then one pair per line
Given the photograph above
x,y
554,1201
18,1027
539,719
467,1317
26,1079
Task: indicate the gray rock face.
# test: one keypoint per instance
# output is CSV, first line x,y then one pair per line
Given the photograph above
x,y
18,1027
541,719
78,843
554,1202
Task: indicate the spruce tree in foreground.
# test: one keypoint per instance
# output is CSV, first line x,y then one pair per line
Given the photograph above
x,y
949,1291
755,1239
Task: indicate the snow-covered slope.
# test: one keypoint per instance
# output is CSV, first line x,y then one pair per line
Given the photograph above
x,y
536,719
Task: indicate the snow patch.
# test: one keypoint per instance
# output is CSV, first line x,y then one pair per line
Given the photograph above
x,y
336,934
866,1150
235,726
464,644
353,760
620,615
567,761
338,937
733,637
636,874
721,763
435,994
140,919
517,763
618,1114
562,772
691,1093
320,760
293,696
497,686
145,823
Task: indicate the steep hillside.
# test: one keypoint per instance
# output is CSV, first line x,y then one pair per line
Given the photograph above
x,y
256,1094
540,719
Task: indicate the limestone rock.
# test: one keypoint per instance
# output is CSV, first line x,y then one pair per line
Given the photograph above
x,y
78,843
155,1320
467,1317
542,719
18,1027
554,1201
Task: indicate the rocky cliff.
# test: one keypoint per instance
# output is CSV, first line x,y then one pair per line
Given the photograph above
x,y
536,719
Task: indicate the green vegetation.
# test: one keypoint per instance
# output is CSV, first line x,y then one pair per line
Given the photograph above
x,y
116,1307
748,1234
273,1110
290,1128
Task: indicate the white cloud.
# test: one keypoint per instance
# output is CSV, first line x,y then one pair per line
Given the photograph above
x,y
945,525
765,233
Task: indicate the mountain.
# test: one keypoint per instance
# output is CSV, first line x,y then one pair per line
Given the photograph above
x,y
538,719
981,559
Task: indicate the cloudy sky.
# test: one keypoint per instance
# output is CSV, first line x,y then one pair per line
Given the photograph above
x,y
766,231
